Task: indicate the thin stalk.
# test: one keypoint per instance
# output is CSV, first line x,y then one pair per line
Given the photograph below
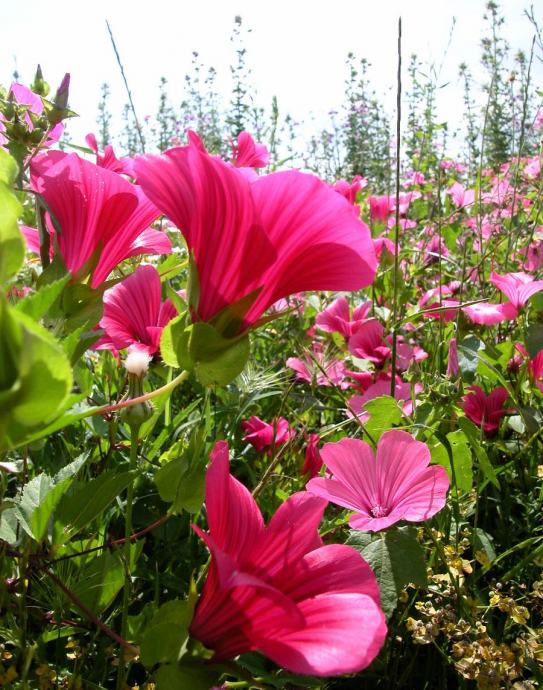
x,y
121,675
397,212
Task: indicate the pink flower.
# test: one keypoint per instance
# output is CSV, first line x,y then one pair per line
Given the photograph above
x,y
102,217
396,484
24,96
108,159
368,343
402,393
284,233
380,207
485,410
453,368
488,314
535,368
134,315
517,287
248,154
262,435
349,191
461,197
312,609
313,460
326,372
337,319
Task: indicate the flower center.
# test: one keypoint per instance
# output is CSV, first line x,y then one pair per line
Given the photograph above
x,y
379,511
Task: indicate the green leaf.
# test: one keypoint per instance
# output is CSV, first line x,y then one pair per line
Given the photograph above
x,y
33,495
12,246
171,340
534,339
458,451
384,413
167,633
100,580
37,305
88,500
218,360
473,435
468,359
182,481
396,558
35,382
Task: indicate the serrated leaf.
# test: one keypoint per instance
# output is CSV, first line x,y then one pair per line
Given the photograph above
x,y
468,359
396,558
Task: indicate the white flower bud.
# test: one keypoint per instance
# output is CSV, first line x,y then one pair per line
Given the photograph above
x,y
137,362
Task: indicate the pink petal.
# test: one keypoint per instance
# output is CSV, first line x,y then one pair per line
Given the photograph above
x,y
490,314
343,634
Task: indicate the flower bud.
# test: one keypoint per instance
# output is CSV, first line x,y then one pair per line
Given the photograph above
x,y
136,364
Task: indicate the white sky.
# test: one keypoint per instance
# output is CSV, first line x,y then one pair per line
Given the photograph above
x,y
296,50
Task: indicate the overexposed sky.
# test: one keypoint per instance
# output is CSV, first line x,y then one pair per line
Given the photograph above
x,y
296,49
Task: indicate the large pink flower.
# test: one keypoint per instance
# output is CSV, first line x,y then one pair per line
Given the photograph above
x,y
368,343
517,287
134,315
312,609
101,216
283,233
395,485
485,410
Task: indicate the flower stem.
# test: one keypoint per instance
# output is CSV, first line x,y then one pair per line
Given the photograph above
x,y
126,548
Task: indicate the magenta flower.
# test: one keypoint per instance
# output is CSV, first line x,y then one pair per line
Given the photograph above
x,y
535,367
368,343
134,315
312,459
488,314
102,217
337,318
108,159
517,287
349,191
283,233
248,154
461,197
264,436
396,484
325,372
485,410
312,609
380,207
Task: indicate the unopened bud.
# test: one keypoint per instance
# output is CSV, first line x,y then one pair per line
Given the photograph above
x,y
136,364
61,97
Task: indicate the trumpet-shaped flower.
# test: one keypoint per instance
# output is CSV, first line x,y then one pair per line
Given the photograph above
x,y
264,436
517,287
337,318
102,217
396,484
312,609
283,233
134,315
485,410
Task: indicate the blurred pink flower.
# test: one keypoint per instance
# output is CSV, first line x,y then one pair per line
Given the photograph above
x,y
461,197
349,191
535,368
395,484
402,393
325,371
246,153
108,159
485,410
312,609
264,436
517,287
